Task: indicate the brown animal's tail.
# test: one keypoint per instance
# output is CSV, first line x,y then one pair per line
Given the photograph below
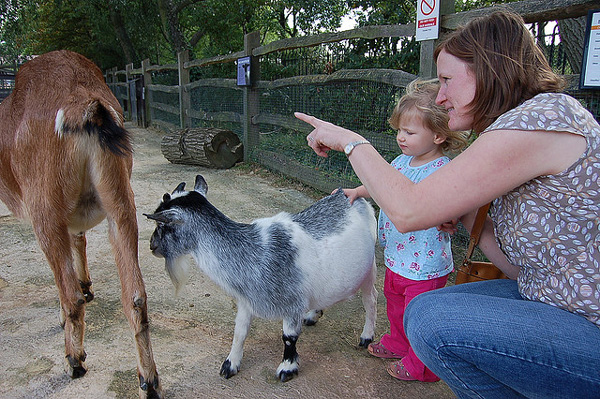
x,y
98,120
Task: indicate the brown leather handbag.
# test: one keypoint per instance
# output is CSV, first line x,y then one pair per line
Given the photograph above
x,y
471,271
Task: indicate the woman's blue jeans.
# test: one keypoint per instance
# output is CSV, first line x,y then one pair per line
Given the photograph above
x,y
485,341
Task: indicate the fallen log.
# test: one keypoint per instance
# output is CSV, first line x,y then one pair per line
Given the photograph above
x,y
205,146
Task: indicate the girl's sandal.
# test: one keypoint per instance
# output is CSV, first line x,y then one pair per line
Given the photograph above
x,y
397,370
380,351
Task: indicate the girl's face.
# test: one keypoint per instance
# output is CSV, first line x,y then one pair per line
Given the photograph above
x,y
415,139
457,90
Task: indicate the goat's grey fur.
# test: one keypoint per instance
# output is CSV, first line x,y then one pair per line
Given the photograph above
x,y
277,267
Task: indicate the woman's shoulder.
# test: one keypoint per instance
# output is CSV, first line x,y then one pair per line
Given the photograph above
x,y
546,111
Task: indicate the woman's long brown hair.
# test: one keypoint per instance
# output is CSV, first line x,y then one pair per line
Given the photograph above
x,y
508,65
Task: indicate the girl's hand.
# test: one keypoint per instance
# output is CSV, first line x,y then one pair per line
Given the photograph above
x,y
326,136
449,227
351,193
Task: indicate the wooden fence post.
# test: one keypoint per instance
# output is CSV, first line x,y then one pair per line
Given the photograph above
x,y
427,69
146,81
129,100
184,94
251,96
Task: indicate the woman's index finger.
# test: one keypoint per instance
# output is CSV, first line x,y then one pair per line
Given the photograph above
x,y
311,120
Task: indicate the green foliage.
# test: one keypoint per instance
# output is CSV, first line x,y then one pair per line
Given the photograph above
x,y
119,32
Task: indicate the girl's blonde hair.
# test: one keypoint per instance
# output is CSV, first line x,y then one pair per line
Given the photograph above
x,y
420,96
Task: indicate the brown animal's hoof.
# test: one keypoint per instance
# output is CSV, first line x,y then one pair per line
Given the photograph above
x,y
86,289
75,368
150,389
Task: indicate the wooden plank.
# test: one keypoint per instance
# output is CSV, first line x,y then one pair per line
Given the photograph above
x,y
164,88
285,121
162,67
164,125
305,174
166,108
214,82
390,76
365,32
215,116
214,60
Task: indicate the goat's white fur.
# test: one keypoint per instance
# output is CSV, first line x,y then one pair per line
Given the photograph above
x,y
322,255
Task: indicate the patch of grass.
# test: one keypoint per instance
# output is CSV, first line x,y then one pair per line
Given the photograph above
x,y
277,179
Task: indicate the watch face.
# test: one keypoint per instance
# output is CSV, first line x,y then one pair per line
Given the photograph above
x,y
348,148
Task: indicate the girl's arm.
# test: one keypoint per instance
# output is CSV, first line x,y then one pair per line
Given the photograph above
x,y
354,193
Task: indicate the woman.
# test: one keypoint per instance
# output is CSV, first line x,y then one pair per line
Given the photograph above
x,y
537,158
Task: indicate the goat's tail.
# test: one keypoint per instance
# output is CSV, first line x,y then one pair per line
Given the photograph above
x,y
96,119
179,271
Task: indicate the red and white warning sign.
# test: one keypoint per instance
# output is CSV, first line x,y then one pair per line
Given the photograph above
x,y
428,19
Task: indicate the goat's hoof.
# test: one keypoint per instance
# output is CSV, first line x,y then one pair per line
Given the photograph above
x,y
364,342
150,389
74,368
286,375
227,371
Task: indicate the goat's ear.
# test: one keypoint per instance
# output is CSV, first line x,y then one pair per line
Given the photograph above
x,y
170,216
179,188
166,198
201,186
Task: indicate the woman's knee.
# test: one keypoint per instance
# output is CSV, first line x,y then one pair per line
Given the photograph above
x,y
421,313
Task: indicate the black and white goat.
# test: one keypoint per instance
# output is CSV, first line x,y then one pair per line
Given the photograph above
x,y
277,267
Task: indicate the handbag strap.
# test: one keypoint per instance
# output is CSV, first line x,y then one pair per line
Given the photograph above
x,y
477,228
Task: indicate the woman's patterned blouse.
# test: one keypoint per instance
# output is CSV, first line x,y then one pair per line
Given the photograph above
x,y
550,226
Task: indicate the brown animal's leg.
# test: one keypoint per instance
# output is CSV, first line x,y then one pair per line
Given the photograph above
x,y
79,243
55,241
81,265
118,201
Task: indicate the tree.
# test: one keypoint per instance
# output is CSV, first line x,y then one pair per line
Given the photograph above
x,y
572,32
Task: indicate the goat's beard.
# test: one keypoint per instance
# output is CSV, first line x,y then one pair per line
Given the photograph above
x,y
179,271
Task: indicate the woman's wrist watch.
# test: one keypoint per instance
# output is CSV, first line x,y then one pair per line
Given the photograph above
x,y
350,146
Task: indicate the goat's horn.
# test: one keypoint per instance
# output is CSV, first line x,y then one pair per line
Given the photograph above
x,y
179,188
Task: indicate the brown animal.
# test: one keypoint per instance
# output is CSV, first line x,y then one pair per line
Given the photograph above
x,y
65,163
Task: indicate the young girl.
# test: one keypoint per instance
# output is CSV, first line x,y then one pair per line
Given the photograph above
x,y
417,261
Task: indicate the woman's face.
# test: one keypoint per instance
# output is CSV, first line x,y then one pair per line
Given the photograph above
x,y
457,90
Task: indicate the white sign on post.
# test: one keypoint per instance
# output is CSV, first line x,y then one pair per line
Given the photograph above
x,y
590,68
428,19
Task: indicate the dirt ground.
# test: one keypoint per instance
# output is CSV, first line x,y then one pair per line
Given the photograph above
x,y
191,334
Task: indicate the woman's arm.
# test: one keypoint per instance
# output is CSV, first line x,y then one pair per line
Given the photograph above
x,y
497,162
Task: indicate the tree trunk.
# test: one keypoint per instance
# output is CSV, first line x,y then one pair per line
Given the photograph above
x,y
208,146
572,33
126,45
170,23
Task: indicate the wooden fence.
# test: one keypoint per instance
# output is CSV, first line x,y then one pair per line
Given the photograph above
x,y
7,80
135,89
